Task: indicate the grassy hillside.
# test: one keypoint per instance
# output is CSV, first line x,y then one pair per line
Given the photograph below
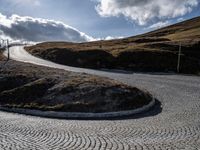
x,y
153,51
23,85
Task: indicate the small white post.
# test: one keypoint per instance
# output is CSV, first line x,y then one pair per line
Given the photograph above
x,y
179,58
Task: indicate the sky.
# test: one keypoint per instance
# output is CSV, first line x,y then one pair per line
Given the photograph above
x,y
88,20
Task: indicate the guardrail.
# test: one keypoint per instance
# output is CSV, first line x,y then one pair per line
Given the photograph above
x,y
5,45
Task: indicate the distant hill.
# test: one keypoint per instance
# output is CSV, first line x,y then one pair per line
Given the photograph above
x,y
153,51
186,30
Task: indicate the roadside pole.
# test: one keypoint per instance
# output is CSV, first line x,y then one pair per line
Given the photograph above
x,y
1,44
7,45
179,59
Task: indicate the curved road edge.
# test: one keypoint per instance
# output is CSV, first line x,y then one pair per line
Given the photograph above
x,y
19,54
74,115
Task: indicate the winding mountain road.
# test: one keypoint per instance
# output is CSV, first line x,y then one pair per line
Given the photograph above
x,y
177,127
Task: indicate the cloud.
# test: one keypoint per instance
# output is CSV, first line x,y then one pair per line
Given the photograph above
x,y
111,37
37,30
144,11
180,19
159,25
107,38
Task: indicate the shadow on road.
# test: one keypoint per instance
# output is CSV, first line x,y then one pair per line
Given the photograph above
x,y
145,73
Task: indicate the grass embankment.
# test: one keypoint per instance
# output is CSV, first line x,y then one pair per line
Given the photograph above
x,y
1,55
34,87
153,51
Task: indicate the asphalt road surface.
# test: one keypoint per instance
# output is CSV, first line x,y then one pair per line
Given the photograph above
x,y
176,126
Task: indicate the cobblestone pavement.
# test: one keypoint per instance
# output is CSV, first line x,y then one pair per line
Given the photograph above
x,y
177,127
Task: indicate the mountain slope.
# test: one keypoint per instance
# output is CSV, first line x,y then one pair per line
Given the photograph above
x,y
186,30
153,51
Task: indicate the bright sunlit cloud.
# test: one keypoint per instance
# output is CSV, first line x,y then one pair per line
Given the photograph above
x,y
159,25
37,29
143,11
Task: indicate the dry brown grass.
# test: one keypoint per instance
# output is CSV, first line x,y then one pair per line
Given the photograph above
x,y
188,30
34,87
161,44
1,55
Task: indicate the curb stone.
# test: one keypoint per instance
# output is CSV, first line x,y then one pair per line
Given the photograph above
x,y
72,115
